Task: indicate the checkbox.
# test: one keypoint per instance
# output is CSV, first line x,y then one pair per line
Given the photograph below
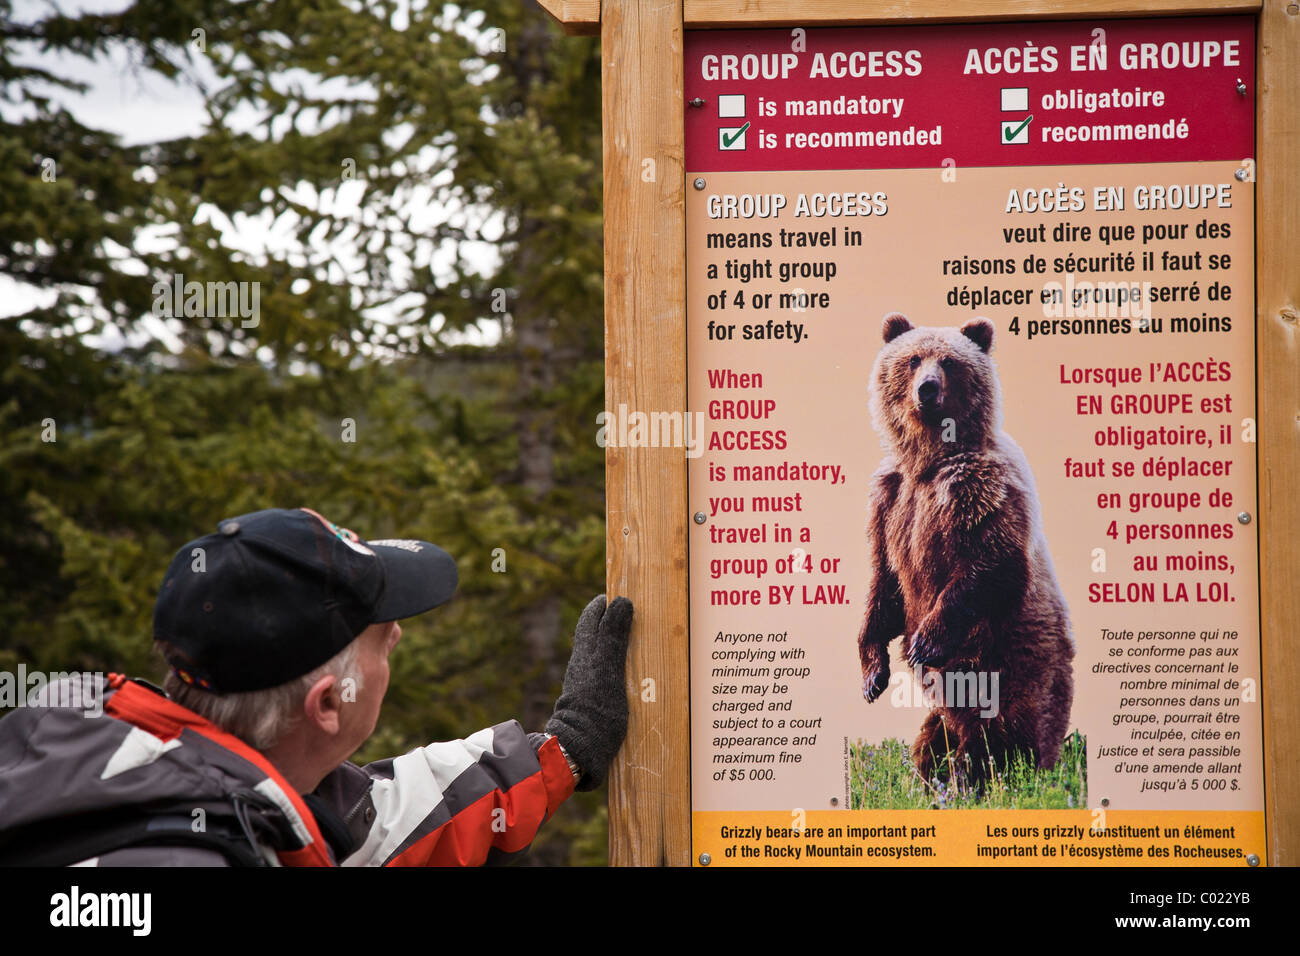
x,y
731,104
732,137
1015,99
1015,131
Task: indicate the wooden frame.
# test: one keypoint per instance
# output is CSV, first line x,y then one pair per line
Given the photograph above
x,y
715,14
645,360
645,366
1277,300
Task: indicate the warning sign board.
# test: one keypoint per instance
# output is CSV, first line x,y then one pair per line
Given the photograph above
x,y
973,572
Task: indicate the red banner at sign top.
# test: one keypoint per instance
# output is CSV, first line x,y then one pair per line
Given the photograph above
x,y
997,94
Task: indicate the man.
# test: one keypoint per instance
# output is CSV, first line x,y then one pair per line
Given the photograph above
x,y
277,630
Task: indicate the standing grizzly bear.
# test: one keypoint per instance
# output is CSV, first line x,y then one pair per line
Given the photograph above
x,y
960,565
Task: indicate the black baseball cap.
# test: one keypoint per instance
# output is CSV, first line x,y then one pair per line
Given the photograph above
x,y
274,594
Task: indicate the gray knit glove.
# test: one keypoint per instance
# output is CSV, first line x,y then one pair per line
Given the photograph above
x,y
590,718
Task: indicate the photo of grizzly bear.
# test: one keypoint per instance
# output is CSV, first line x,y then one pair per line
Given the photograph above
x,y
960,566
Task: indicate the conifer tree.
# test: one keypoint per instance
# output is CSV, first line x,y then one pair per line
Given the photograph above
x,y
426,358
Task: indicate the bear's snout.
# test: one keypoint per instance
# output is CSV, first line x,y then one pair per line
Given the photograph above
x,y
927,391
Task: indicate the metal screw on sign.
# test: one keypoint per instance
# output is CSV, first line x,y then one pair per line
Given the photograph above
x,y
699,184
700,518
835,801
705,859
1241,86
1244,517
1241,174
697,102
1252,860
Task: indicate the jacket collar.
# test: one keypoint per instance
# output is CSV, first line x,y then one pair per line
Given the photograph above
x,y
153,712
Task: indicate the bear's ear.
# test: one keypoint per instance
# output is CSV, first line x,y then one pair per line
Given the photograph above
x,y
895,324
979,331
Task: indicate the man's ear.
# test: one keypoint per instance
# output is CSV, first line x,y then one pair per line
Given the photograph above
x,y
324,704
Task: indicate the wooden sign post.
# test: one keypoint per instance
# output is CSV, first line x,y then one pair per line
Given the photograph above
x,y
740,449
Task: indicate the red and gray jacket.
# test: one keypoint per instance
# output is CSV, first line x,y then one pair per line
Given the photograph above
x,y
141,781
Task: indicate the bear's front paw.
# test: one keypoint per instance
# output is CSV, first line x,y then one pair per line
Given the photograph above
x,y
874,683
926,649
875,671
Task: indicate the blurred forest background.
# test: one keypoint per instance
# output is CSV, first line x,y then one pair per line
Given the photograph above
x,y
385,146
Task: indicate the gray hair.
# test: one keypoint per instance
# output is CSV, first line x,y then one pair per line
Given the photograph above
x,y
261,718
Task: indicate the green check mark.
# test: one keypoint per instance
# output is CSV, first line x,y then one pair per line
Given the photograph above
x,y
1011,134
728,140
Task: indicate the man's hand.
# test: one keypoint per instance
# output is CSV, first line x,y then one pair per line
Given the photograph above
x,y
590,718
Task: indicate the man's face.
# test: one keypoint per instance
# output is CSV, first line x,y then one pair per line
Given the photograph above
x,y
359,718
